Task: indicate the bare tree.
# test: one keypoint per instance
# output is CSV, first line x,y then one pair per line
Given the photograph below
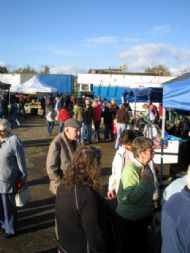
x,y
159,70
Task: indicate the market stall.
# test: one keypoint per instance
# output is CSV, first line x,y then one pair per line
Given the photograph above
x,y
176,94
152,94
33,108
166,154
33,87
136,97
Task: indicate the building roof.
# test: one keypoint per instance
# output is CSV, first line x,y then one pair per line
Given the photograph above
x,y
119,71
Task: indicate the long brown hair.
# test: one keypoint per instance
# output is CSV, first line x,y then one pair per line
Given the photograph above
x,y
84,168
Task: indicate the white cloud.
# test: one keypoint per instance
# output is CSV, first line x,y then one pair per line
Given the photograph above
x,y
3,64
181,54
67,69
102,40
146,50
160,30
62,52
132,40
140,57
180,70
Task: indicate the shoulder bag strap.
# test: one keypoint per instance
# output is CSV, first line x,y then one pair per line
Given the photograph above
x,y
76,199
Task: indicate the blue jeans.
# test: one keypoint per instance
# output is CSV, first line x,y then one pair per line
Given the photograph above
x,y
8,212
61,126
88,130
50,127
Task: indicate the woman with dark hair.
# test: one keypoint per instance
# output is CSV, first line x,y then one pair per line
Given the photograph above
x,y
135,197
85,222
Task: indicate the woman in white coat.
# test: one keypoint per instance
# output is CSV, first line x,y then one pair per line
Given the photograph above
x,y
122,156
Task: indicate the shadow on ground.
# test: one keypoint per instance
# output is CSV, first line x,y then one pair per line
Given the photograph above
x,y
39,181
38,142
54,250
36,215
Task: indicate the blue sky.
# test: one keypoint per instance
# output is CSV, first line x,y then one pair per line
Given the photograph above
x,y
71,36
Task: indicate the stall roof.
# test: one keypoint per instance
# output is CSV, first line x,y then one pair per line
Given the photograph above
x,y
33,86
176,93
143,94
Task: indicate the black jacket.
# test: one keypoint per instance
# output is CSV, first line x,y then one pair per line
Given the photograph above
x,y
89,229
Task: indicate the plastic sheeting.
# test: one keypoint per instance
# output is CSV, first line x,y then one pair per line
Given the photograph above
x,y
176,93
143,94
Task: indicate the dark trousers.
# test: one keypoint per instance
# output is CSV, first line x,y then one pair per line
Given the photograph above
x,y
133,234
108,131
8,212
97,130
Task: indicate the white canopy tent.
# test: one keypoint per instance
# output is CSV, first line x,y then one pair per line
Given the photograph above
x,y
32,86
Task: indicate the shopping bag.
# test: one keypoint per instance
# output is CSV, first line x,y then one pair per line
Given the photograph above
x,y
23,196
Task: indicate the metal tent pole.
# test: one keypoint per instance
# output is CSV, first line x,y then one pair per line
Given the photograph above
x,y
162,143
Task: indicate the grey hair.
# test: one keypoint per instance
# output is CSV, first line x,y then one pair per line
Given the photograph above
x,y
5,125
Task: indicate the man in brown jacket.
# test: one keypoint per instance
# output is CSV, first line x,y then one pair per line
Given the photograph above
x,y
61,152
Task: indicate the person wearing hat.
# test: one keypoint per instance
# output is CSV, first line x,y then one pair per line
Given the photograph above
x,y
61,152
13,176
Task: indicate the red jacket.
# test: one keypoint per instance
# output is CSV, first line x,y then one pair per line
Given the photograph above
x,y
63,115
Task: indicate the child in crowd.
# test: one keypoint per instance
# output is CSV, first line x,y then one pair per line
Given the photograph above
x,y
51,120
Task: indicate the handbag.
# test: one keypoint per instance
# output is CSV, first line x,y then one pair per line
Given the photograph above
x,y
23,196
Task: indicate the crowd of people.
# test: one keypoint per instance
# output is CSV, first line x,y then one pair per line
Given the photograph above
x,y
89,113
82,212
85,221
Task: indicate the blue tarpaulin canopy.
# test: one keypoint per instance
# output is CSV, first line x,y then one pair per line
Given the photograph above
x,y
143,94
176,93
